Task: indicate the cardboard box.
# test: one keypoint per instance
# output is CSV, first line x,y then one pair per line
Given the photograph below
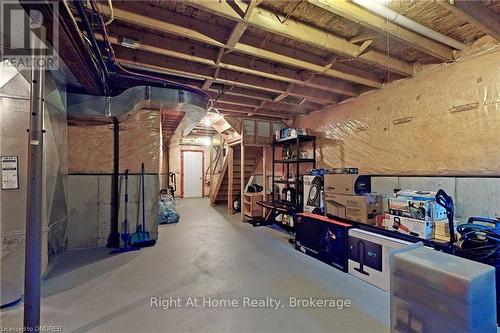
x,y
417,204
322,238
360,208
406,225
351,184
313,195
368,255
335,209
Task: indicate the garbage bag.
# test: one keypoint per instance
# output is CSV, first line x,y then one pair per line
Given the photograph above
x,y
166,210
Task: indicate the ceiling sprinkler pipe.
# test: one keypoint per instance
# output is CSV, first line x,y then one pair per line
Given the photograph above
x,y
379,9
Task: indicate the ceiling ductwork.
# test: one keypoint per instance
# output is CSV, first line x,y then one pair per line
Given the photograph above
x,y
91,108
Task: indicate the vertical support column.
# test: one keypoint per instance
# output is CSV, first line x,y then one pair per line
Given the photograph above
x,y
230,176
272,185
211,167
242,178
297,171
114,234
264,171
34,210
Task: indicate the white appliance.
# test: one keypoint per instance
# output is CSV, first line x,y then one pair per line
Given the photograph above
x,y
313,194
368,255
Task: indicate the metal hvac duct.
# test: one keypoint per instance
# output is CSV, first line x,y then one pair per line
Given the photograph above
x,y
134,99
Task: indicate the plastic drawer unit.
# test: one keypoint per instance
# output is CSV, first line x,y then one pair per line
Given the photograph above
x,y
435,292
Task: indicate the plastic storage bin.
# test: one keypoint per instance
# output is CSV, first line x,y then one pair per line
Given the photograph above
x,y
434,292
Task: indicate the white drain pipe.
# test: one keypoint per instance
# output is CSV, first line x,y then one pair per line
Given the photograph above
x,y
378,8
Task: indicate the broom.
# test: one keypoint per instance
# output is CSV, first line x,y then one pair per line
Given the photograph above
x,y
125,234
141,237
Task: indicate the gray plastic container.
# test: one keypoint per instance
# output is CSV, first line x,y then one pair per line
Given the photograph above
x,y
435,292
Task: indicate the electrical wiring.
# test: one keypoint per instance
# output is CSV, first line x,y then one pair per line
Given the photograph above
x,y
111,12
111,55
479,242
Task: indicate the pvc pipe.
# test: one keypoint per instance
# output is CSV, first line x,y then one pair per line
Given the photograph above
x,y
34,190
401,20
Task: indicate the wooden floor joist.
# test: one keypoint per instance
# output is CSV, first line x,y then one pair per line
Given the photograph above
x,y
127,14
266,20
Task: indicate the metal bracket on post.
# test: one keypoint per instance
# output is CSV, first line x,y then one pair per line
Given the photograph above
x,y
34,211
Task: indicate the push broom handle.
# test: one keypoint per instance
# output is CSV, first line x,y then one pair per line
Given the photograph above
x,y
143,200
126,196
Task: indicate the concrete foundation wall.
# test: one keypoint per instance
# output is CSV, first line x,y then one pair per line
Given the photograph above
x,y
472,196
90,179
90,209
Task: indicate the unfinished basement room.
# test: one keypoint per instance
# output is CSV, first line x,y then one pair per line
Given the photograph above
x,y
250,166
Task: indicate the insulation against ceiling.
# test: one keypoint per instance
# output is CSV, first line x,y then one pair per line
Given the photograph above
x,y
91,147
444,121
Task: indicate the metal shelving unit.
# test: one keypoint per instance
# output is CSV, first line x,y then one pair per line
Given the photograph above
x,y
292,165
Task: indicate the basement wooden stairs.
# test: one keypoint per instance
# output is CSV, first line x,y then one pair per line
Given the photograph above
x,y
247,142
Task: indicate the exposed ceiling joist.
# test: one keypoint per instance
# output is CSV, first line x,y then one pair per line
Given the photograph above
x,y
364,37
237,100
241,26
476,13
238,63
177,67
245,110
244,92
266,20
339,71
361,16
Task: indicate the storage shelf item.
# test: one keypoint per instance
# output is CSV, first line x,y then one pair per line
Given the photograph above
x,y
300,160
292,165
250,207
301,138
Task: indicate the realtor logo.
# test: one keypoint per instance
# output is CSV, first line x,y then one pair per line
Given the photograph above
x,y
23,40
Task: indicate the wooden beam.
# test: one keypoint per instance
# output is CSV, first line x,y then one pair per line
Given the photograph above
x,y
341,72
211,168
254,103
230,179
236,100
242,174
244,92
288,102
145,20
364,37
238,63
363,47
369,20
179,67
264,171
477,14
266,20
206,85
241,26
244,111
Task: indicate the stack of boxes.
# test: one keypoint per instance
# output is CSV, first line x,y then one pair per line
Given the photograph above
x,y
415,213
348,196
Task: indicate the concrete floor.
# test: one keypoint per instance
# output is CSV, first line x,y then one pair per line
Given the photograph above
x,y
208,254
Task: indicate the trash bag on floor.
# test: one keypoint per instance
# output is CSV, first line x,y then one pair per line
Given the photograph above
x,y
166,210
